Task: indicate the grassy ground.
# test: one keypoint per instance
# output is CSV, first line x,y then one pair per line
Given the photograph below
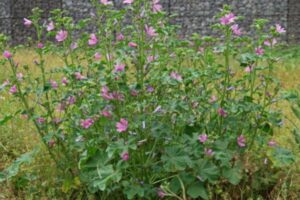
x,y
17,137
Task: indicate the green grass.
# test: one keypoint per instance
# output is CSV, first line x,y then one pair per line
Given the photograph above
x,y
16,137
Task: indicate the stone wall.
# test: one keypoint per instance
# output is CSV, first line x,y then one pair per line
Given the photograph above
x,y
293,25
22,8
192,15
78,8
5,16
198,15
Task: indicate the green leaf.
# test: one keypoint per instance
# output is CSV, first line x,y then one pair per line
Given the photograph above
x,y
221,145
197,190
175,159
14,168
296,111
208,170
8,117
97,173
266,127
5,119
290,95
296,134
187,178
47,87
134,190
175,185
283,156
2,177
247,59
224,156
233,175
106,174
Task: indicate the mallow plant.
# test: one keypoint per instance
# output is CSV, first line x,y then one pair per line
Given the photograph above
x,y
136,112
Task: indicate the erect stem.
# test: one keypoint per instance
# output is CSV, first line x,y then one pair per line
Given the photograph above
x,y
252,79
30,112
183,188
227,73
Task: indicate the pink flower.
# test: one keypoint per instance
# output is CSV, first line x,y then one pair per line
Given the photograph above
x,y
27,22
161,194
150,31
24,116
13,89
248,69
272,143
5,83
74,45
176,76
40,120
241,140
279,28
122,125
57,120
150,88
109,96
7,54
222,112
19,76
120,67
201,49
270,43
64,81
125,156
78,76
61,36
259,51
71,100
105,93
128,1
120,37
118,96
134,93
132,44
40,45
61,107
213,99
106,2
156,6
267,43
53,84
86,123
208,152
106,113
236,30
50,26
202,138
150,58
228,19
93,40
195,104
97,56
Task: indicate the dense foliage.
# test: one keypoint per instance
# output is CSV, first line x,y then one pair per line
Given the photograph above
x,y
136,112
